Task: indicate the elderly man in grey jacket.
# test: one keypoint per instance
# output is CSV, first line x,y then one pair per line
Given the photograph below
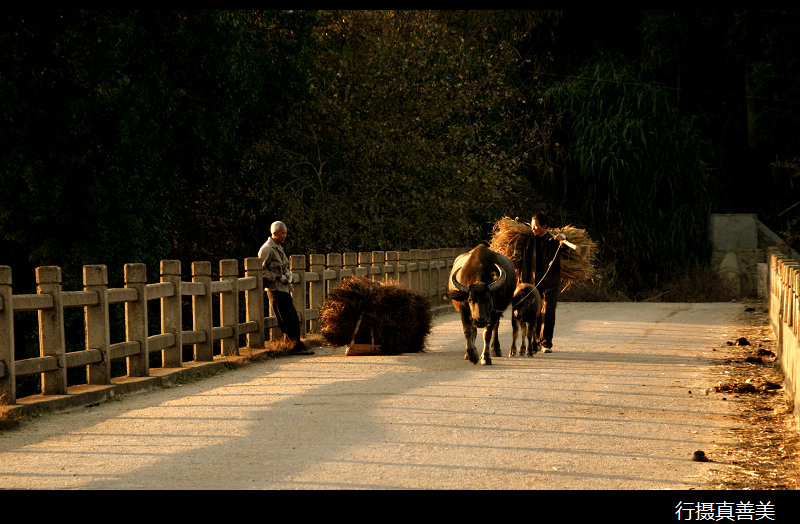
x,y
278,280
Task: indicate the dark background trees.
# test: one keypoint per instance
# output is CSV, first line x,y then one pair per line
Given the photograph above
x,y
134,136
121,129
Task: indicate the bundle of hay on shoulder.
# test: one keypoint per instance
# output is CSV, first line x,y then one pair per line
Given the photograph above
x,y
514,239
391,316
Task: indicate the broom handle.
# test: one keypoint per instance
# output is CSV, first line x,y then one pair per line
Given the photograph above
x,y
582,251
569,244
565,242
355,331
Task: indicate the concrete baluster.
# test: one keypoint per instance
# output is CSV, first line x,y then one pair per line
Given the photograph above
x,y
316,291
8,382
136,328
334,265
95,278
297,264
51,330
229,306
171,314
202,312
254,302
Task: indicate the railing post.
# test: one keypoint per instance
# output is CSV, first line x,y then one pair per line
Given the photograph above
x,y
8,382
136,329
51,330
95,278
403,260
425,273
794,268
436,276
415,270
316,288
202,312
365,263
335,265
379,265
171,314
391,260
297,264
349,264
254,302
229,306
795,283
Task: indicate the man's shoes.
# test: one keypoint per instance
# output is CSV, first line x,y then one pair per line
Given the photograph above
x,y
300,349
548,348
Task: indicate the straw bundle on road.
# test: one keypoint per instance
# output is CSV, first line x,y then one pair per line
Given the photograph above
x,y
514,239
398,318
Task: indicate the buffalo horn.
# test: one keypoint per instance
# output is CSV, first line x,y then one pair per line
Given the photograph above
x,y
499,280
459,286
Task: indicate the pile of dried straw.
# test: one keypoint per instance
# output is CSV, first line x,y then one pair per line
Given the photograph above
x,y
514,239
399,318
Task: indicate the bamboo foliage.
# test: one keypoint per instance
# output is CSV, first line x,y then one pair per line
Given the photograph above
x,y
636,169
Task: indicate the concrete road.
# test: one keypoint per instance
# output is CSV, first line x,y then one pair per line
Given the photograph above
x,y
619,404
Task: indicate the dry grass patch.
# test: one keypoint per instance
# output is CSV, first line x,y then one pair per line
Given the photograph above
x,y
9,419
766,454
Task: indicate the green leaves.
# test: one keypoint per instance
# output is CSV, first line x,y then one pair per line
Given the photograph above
x,y
406,140
637,169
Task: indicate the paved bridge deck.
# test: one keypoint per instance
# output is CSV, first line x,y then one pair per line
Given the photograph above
x,y
619,404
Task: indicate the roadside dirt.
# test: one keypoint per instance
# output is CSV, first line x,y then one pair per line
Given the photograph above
x,y
768,452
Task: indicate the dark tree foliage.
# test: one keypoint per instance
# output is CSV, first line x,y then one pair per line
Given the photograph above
x,y
117,124
134,136
408,139
702,101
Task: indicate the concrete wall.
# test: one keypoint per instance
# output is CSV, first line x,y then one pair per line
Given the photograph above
x,y
736,251
739,251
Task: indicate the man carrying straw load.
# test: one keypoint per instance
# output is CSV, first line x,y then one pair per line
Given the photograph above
x,y
545,274
544,257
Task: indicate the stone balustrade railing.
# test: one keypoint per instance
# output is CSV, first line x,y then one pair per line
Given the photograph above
x,y
215,316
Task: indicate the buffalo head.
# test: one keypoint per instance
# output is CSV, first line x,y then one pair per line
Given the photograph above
x,y
478,296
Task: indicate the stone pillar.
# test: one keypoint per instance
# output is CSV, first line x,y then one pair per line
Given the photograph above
x,y
171,314
403,262
95,278
136,329
379,266
254,302
730,273
229,306
350,265
316,289
202,312
414,269
297,264
425,273
391,261
335,265
8,382
51,330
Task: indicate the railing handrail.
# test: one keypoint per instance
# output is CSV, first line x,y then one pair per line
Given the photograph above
x,y
784,312
425,271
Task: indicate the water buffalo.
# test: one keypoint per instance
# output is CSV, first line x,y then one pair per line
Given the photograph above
x,y
526,307
481,286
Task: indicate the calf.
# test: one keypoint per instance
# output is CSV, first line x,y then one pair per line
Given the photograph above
x,y
526,307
